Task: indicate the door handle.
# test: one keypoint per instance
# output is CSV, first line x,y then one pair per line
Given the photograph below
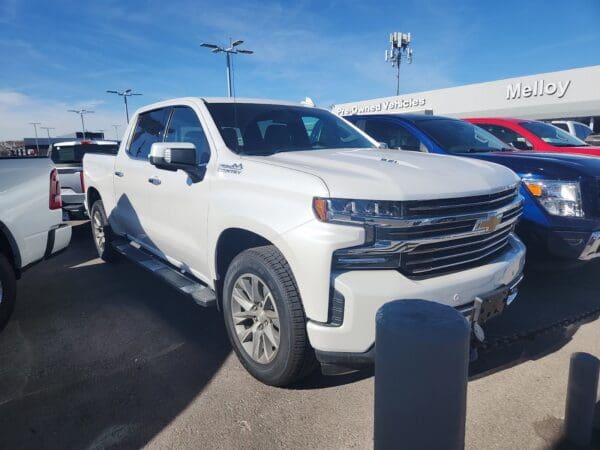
x,y
154,180
119,173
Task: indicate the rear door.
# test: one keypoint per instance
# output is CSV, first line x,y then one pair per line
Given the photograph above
x,y
132,176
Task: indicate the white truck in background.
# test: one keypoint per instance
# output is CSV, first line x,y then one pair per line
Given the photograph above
x,y
31,227
298,226
67,157
574,128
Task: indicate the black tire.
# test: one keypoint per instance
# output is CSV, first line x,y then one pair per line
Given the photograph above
x,y
8,290
99,224
294,358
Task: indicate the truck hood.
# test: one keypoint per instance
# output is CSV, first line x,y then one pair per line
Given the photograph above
x,y
374,174
549,165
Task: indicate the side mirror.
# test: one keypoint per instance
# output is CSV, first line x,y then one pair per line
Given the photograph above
x,y
175,156
382,145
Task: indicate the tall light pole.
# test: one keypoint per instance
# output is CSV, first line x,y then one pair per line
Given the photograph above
x,y
126,93
81,113
37,146
47,131
116,127
399,43
231,50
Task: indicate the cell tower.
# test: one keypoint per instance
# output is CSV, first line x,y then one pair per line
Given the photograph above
x,y
399,43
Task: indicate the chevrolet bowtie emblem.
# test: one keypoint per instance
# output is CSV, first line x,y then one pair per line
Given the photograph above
x,y
489,223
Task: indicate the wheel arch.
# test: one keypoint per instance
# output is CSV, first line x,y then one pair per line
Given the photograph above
x,y
231,242
92,195
9,248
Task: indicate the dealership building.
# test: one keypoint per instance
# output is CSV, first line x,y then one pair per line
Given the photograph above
x,y
569,94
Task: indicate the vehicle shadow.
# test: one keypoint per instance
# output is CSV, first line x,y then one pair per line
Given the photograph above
x,y
101,355
545,299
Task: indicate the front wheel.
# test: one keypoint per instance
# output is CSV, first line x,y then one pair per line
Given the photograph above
x,y
8,290
101,232
264,317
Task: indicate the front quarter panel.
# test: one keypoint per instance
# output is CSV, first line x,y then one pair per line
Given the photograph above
x,y
274,202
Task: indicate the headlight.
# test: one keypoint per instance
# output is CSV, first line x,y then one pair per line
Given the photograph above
x,y
559,198
355,212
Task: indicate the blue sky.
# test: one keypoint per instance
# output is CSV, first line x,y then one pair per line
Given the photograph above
x,y
65,54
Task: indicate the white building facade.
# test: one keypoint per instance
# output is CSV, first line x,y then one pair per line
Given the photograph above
x,y
568,94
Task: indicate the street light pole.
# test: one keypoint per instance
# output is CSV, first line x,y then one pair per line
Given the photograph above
x,y
37,146
47,131
231,50
81,112
126,93
228,57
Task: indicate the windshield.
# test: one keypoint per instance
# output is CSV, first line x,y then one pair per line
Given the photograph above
x,y
257,129
73,153
552,135
456,136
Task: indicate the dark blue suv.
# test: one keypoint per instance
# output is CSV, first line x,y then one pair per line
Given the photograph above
x,y
561,191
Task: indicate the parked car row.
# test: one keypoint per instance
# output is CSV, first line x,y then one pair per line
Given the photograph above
x,y
299,224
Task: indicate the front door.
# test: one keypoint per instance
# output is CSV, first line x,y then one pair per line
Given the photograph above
x,y
177,211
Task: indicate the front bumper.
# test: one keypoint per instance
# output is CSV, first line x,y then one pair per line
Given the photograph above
x,y
592,247
566,244
365,291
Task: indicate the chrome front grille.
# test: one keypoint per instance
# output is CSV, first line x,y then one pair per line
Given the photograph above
x,y
455,234
455,242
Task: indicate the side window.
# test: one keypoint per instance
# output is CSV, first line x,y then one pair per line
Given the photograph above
x,y
562,126
185,127
394,135
150,128
507,135
582,131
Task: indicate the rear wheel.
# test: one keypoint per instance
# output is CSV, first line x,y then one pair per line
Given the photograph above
x,y
8,290
264,317
101,232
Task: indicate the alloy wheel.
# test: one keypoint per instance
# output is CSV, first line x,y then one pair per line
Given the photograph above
x,y
255,318
98,230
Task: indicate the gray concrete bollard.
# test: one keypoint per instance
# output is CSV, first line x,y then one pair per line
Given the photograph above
x,y
421,370
582,389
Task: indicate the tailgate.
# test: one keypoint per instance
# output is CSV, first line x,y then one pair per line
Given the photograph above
x,y
70,179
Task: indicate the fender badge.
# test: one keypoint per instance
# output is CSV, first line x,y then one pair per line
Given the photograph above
x,y
231,168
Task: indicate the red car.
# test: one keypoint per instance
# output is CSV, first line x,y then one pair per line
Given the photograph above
x,y
533,135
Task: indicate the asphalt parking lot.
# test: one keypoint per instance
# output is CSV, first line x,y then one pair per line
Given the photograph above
x,y
105,356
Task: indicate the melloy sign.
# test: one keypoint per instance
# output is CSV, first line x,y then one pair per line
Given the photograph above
x,y
537,89
382,106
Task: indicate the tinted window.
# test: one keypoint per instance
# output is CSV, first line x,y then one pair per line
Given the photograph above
x,y
393,134
149,129
73,154
260,129
562,126
456,136
507,135
582,131
185,127
552,135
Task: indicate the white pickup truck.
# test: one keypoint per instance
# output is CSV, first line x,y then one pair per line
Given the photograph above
x,y
298,226
31,227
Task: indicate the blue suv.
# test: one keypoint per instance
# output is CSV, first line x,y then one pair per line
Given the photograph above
x,y
561,191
